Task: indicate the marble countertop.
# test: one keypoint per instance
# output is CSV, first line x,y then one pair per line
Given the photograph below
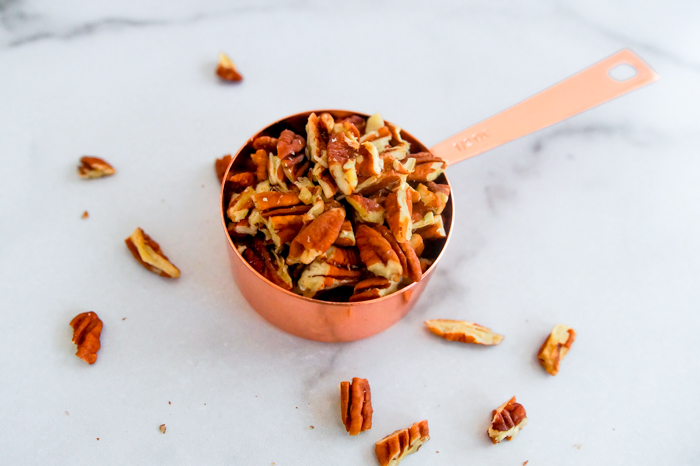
x,y
593,223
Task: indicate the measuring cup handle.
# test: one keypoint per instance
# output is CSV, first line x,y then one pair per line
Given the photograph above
x,y
592,86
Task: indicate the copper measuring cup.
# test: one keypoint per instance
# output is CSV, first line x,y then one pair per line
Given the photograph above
x,y
343,321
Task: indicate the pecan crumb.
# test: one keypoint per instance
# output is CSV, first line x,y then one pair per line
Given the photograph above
x,y
85,215
169,403
507,421
87,328
312,427
226,70
148,253
555,348
162,428
220,166
356,405
394,448
463,331
94,167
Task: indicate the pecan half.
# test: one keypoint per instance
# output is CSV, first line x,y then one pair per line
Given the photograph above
x,y
346,237
289,144
87,328
555,348
372,288
221,165
507,421
394,448
356,406
463,331
148,253
316,237
226,70
94,167
377,254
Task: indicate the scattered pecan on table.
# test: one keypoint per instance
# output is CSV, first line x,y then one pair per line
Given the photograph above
x,y
149,254
507,421
356,406
87,328
226,70
394,448
221,165
463,331
555,348
94,167
339,209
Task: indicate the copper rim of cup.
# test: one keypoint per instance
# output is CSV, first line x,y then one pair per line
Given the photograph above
x,y
335,113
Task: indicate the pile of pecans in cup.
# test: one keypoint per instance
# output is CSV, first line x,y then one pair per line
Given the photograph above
x,y
336,208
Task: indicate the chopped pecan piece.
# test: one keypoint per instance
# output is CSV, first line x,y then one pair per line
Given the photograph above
x,y
320,275
434,229
373,288
369,163
94,167
324,180
346,237
398,213
316,237
226,70
289,144
317,133
394,448
389,179
266,143
377,254
356,120
87,328
221,165
342,154
269,200
368,210
425,264
507,421
85,215
260,159
341,257
434,196
240,204
240,181
463,331
148,253
412,271
555,348
284,228
417,244
356,406
428,167
162,428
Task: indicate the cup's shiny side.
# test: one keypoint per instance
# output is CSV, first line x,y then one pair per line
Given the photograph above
x,y
314,319
319,320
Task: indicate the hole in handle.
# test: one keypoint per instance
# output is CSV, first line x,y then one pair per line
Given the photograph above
x,y
622,72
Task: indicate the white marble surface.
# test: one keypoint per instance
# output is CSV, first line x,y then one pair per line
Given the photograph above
x,y
593,223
